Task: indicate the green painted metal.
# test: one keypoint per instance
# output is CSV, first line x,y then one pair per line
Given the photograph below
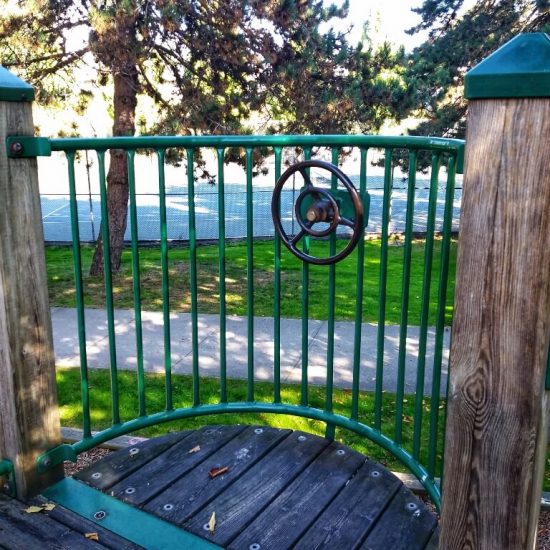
x,y
28,146
223,301
405,285
357,420
305,310
108,282
519,68
359,291
193,275
137,526
165,284
77,267
7,471
136,280
277,297
250,273
388,184
440,323
13,88
424,311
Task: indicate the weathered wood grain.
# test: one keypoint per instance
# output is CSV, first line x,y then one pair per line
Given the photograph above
x,y
19,530
169,466
180,500
501,330
288,516
405,525
354,511
116,466
81,525
28,399
256,488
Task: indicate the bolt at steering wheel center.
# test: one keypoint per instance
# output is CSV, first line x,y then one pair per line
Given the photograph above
x,y
321,211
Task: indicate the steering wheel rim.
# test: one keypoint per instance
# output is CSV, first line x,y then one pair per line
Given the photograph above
x,y
356,224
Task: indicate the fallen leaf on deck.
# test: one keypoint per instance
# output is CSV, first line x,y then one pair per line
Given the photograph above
x,y
215,472
92,536
48,507
34,509
195,449
212,522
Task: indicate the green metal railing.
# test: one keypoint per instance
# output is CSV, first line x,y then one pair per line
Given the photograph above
x,y
372,427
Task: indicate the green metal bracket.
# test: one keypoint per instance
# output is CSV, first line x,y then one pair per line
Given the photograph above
x,y
7,470
126,521
519,68
345,204
12,88
55,456
28,147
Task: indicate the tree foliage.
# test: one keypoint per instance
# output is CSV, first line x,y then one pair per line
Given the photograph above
x,y
457,42
209,65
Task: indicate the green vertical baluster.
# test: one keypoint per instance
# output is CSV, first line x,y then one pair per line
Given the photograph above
x,y
441,306
331,309
277,298
77,266
250,273
193,275
388,153
136,281
407,252
165,285
359,300
425,306
107,276
304,397
221,252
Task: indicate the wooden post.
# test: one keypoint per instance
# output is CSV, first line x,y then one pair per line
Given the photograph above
x,y
498,406
29,416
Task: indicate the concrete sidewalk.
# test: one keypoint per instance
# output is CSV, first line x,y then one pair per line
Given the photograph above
x,y
67,350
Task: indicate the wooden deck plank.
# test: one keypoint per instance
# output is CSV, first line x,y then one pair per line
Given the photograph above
x,y
287,517
402,526
256,488
116,466
82,525
178,502
169,466
351,515
20,530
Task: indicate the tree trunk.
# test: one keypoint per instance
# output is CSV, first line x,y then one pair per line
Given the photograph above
x,y
123,63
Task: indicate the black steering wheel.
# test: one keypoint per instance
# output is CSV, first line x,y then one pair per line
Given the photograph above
x,y
322,206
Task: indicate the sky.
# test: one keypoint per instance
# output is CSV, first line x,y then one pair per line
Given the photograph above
x,y
388,20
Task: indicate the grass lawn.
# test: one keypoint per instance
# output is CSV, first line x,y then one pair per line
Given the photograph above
x,y
61,281
68,381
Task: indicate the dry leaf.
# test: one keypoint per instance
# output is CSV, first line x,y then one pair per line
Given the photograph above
x,y
92,536
212,522
48,507
34,509
195,449
215,472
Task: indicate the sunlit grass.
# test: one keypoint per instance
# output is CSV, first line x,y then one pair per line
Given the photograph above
x,y
61,281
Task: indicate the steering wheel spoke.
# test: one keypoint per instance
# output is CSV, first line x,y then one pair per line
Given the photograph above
x,y
346,221
297,237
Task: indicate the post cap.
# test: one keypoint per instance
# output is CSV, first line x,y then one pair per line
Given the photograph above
x,y
519,68
12,88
